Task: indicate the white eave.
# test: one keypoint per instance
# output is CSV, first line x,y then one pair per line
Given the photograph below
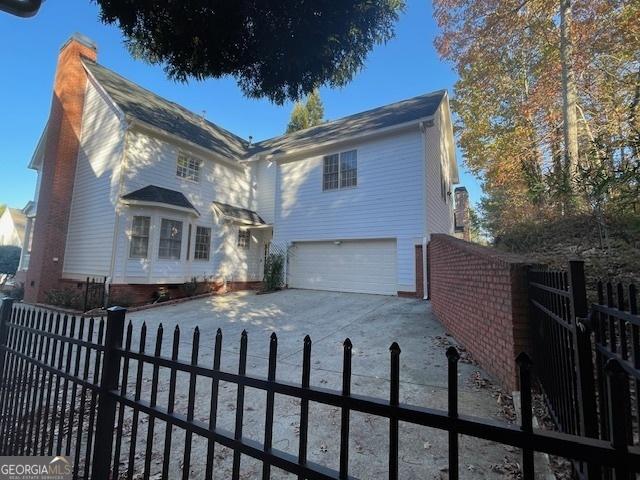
x,y
279,154
168,206
38,155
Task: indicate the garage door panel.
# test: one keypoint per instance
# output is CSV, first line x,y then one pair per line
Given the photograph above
x,y
360,266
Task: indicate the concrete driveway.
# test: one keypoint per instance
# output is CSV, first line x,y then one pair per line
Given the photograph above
x,y
372,323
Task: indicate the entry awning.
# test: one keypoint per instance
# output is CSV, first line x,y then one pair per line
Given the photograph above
x,y
241,216
154,196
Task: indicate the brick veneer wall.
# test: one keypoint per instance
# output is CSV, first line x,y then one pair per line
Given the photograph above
x,y
143,294
58,170
480,296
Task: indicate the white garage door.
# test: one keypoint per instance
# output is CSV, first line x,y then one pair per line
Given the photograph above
x,y
360,266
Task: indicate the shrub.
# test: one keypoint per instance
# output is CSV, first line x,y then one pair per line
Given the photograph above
x,y
17,293
273,272
190,288
161,295
64,298
9,259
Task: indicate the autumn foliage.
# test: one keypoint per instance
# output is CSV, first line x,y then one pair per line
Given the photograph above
x,y
509,105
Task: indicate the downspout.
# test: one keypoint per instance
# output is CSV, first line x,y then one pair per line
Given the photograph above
x,y
425,267
425,283
116,229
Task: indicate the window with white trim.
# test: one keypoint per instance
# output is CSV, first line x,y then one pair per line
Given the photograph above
x,y
139,247
170,239
188,167
244,238
203,243
340,170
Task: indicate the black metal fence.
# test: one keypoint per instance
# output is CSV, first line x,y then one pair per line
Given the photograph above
x,y
572,343
65,389
95,293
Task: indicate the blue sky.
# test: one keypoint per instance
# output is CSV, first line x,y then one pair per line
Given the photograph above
x,y
406,66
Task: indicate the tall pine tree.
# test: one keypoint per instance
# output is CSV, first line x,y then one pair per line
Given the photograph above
x,y
306,115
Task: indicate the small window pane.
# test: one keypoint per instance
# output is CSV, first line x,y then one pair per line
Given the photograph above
x,y
139,237
244,238
348,169
170,239
203,242
188,167
330,172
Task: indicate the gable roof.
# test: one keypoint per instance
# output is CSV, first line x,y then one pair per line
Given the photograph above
x,y
141,104
19,218
398,113
241,215
146,106
155,194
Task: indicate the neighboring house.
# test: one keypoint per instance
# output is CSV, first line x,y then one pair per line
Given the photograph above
x,y
461,214
12,227
140,190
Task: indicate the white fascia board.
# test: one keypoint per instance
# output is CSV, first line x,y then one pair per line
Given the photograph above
x,y
451,142
142,203
36,159
342,139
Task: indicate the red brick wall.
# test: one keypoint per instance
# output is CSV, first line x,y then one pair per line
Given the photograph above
x,y
58,171
143,294
480,296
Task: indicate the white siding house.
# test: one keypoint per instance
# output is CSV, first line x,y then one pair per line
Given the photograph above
x,y
95,190
12,227
161,195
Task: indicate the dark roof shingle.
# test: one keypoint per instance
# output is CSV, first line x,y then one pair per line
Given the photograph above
x,y
397,113
237,213
170,117
158,112
152,193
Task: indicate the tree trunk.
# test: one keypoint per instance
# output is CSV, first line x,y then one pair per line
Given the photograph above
x,y
569,96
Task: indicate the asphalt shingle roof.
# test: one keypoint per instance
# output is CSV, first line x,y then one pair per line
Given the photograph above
x,y
237,213
397,113
154,110
150,108
152,193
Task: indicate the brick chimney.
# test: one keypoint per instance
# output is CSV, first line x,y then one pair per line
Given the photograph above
x,y
58,168
461,213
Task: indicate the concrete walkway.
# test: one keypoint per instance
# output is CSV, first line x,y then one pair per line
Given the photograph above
x,y
372,323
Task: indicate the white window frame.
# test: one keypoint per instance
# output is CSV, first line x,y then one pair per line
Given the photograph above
x,y
188,167
244,239
177,240
207,244
135,235
329,187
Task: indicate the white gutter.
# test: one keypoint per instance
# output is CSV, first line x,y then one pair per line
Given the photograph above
x,y
168,206
353,138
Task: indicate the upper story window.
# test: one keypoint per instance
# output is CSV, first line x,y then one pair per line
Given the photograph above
x,y
139,247
203,243
188,167
340,170
244,238
170,239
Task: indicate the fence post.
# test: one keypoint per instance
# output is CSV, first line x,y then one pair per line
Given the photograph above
x,y
618,414
106,416
524,366
6,306
582,350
